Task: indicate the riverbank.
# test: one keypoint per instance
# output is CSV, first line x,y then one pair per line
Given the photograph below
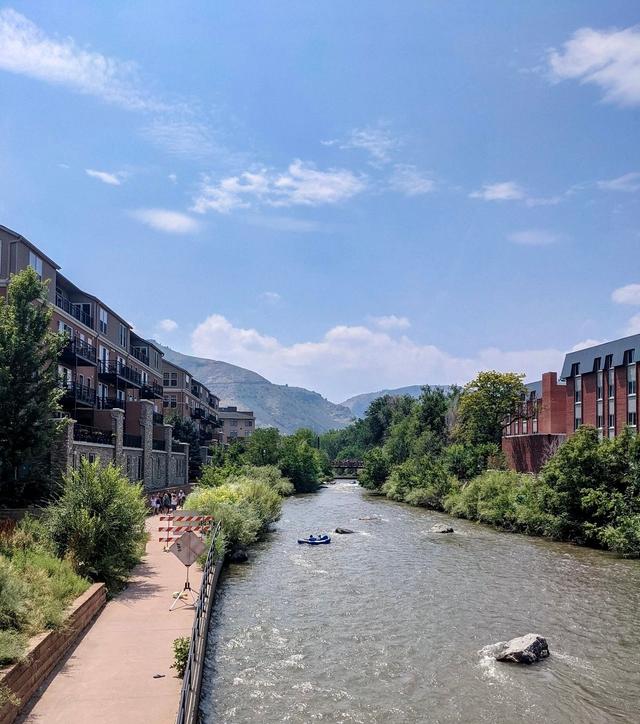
x,y
110,676
386,625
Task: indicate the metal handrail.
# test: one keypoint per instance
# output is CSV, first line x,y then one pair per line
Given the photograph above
x,y
192,679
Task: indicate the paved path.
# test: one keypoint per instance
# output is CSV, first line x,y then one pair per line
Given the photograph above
x,y
109,676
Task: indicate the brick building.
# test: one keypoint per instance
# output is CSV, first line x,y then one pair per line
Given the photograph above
x,y
535,433
601,384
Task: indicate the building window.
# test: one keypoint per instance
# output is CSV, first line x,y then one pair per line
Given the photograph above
x,y
248,423
597,364
122,336
103,319
608,362
631,379
35,262
599,414
575,369
515,427
612,382
233,423
578,389
170,379
629,356
577,421
534,425
525,427
599,386
631,411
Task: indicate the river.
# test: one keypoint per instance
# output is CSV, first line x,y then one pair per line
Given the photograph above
x,y
387,625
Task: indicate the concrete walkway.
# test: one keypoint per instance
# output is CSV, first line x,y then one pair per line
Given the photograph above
x,y
109,675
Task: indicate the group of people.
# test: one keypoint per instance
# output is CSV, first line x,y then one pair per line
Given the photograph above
x,y
167,502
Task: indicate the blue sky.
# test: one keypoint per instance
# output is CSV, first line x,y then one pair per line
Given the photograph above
x,y
345,196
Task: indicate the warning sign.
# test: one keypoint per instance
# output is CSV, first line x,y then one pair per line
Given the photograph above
x,y
187,548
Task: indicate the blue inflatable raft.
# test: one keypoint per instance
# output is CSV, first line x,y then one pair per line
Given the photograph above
x,y
313,540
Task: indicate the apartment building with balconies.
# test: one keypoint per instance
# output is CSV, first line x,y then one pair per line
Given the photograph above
x,y
188,398
236,424
105,365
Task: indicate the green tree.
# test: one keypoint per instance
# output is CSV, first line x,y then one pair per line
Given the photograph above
x,y
29,388
263,447
186,430
376,469
300,463
485,403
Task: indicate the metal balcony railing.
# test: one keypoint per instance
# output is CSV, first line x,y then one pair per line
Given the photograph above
x,y
140,354
159,445
77,349
109,403
77,392
84,433
151,391
74,309
117,369
131,440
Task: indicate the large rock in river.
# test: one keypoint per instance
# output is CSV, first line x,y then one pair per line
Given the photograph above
x,y
525,649
441,528
343,531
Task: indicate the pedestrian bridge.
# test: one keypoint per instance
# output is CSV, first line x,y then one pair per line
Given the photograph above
x,y
348,468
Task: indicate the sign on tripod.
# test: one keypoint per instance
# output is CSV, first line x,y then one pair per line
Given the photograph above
x,y
186,549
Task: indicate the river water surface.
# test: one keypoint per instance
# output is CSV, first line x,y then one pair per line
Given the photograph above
x,y
388,624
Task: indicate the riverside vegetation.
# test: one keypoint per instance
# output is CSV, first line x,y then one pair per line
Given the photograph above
x,y
244,485
442,451
93,531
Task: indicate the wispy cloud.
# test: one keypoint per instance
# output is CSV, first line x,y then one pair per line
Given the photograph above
x,y
629,294
271,297
628,183
408,180
609,59
501,191
585,344
171,222
390,321
187,137
113,179
27,50
288,224
376,140
633,325
302,184
534,237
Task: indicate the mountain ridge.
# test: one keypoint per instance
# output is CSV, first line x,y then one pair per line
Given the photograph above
x,y
287,408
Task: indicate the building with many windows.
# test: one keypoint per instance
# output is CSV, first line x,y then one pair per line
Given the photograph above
x,y
187,398
236,424
602,384
112,378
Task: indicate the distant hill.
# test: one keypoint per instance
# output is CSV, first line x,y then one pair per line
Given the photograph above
x,y
359,404
281,406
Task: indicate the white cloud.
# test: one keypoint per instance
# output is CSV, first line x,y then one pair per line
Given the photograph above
x,y
351,359
271,297
633,325
502,191
113,179
172,222
629,294
376,140
391,321
585,344
167,325
173,178
534,237
26,50
300,185
629,183
609,59
409,180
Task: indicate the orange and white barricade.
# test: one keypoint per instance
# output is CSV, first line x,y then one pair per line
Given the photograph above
x,y
173,526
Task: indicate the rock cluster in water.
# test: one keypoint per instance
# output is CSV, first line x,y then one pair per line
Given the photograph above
x,y
441,528
525,649
343,531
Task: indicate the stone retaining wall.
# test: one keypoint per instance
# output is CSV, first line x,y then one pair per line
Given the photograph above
x,y
47,650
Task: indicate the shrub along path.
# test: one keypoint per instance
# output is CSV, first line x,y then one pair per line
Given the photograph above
x,y
109,676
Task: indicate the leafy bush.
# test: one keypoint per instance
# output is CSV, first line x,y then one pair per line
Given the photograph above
x,y
245,504
98,523
181,654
